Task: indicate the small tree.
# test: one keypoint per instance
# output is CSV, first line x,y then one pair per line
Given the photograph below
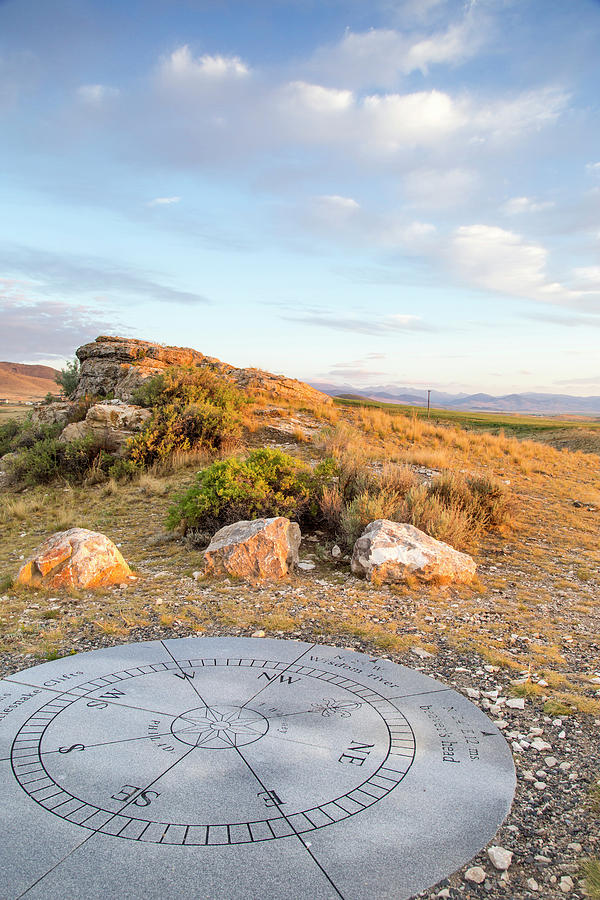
x,y
68,377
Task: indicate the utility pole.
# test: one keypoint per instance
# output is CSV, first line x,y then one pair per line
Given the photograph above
x,y
428,402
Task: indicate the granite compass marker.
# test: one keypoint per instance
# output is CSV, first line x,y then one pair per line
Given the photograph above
x,y
230,768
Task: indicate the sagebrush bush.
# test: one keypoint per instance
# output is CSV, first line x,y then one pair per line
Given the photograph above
x,y
266,483
15,436
193,409
49,459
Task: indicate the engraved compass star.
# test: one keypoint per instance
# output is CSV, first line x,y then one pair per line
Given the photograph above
x,y
214,724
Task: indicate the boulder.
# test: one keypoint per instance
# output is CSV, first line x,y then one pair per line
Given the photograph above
x,y
76,558
56,413
390,551
117,366
265,549
111,424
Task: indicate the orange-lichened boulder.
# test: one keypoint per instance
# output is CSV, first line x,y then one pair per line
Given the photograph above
x,y
392,551
263,549
75,558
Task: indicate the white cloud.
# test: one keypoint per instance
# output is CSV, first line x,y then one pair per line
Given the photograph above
x,y
517,205
381,56
588,278
593,168
163,201
96,94
528,111
439,188
498,260
315,98
377,325
180,67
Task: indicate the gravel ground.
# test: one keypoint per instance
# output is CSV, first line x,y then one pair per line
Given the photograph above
x,y
550,828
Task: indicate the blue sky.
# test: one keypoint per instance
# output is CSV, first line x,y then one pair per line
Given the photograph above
x,y
399,192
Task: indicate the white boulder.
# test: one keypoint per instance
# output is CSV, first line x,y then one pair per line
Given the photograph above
x,y
391,551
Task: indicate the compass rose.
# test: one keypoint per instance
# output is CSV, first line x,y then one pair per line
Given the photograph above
x,y
219,727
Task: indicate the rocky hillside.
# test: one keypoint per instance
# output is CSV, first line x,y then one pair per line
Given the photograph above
x,y
116,365
19,381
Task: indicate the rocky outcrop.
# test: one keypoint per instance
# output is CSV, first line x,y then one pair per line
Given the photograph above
x,y
390,551
57,413
111,424
117,366
76,558
263,549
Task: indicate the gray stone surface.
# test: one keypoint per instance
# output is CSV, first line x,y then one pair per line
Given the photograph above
x,y
241,768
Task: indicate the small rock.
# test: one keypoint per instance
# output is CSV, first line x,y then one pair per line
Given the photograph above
x,y
541,745
516,703
473,693
258,634
422,654
306,566
336,551
475,874
500,858
532,884
566,884
443,893
550,761
575,846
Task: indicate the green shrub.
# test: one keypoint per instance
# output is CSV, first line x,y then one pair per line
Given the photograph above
x,y
124,470
68,378
49,458
193,409
265,483
182,385
8,432
15,436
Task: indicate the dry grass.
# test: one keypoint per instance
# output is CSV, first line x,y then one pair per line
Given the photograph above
x,y
535,580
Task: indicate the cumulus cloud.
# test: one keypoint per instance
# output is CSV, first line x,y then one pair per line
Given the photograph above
x,y
181,67
380,56
210,108
499,260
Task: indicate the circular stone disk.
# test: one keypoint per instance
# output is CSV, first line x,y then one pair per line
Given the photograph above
x,y
230,768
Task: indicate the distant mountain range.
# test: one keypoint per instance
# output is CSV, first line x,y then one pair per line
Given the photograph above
x,y
528,403
19,381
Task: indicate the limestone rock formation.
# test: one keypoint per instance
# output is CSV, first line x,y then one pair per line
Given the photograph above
x,y
75,558
115,365
390,551
111,424
262,549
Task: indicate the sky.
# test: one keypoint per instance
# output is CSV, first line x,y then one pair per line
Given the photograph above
x,y
386,193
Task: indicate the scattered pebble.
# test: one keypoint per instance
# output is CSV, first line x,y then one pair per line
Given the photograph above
x,y
475,874
499,857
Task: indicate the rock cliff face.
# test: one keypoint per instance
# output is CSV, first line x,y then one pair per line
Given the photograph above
x,y
115,365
